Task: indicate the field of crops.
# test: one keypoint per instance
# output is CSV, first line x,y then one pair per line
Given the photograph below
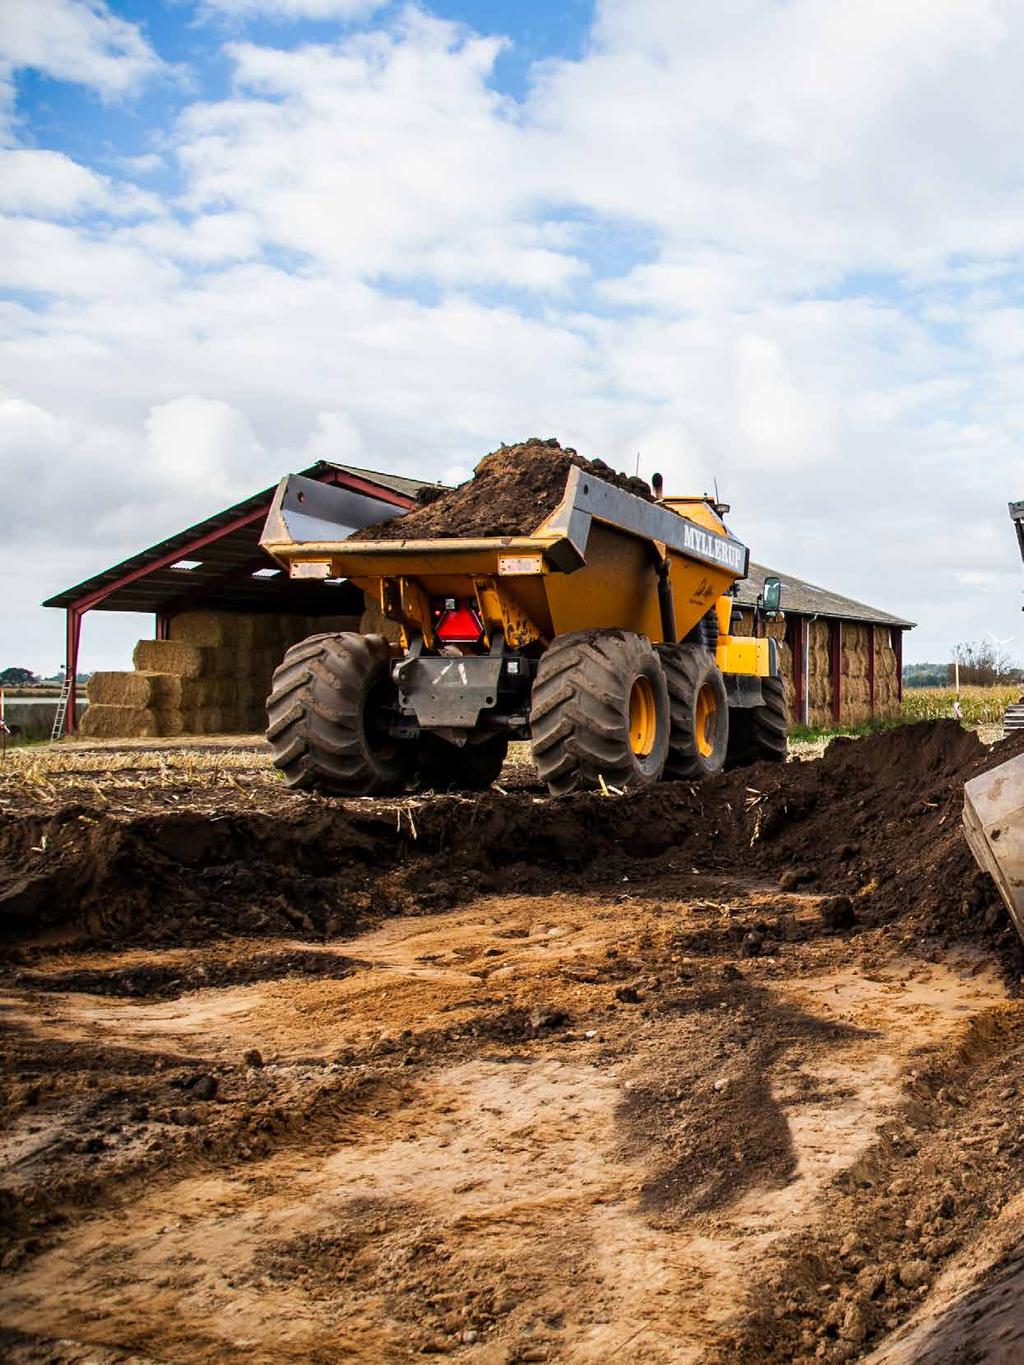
x,y
980,705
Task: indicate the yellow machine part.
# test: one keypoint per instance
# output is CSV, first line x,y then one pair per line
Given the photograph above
x,y
618,586
743,654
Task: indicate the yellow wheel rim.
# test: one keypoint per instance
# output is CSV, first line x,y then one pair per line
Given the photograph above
x,y
643,717
706,716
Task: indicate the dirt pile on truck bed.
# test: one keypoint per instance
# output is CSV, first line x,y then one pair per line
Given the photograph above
x,y
511,492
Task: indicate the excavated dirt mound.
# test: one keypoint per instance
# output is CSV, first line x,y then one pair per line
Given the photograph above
x,y
876,823
876,820
727,1073
511,492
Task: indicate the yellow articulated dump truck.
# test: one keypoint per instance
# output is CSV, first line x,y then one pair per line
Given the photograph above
x,y
601,636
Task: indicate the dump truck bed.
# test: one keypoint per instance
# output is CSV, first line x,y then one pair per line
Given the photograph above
x,y
592,563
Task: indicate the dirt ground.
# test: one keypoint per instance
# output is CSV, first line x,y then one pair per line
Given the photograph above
x,y
720,1074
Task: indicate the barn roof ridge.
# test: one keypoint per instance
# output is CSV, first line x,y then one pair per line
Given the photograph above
x,y
802,598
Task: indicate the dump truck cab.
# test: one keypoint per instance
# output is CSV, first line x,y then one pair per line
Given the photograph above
x,y
601,635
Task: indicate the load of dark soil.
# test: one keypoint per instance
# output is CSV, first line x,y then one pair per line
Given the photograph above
x,y
511,492
873,828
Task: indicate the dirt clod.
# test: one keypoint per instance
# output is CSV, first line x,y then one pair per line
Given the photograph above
x,y
913,1273
837,912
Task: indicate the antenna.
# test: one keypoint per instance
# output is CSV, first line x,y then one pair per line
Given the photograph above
x,y
717,498
638,464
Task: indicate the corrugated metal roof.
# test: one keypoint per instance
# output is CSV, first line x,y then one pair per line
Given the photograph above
x,y
398,483
225,567
806,599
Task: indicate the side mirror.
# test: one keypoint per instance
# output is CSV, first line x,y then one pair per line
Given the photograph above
x,y
771,596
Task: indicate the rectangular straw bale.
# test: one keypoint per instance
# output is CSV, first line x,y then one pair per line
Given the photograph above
x,y
819,682
128,689
209,628
266,630
172,656
786,674
103,721
169,721
209,720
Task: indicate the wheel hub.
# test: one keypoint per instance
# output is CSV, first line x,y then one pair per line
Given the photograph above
x,y
643,717
706,720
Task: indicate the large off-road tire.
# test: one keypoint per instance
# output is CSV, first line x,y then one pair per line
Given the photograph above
x,y
443,767
599,710
758,734
699,739
325,717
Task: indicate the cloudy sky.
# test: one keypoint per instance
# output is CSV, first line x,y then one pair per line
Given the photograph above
x,y
774,244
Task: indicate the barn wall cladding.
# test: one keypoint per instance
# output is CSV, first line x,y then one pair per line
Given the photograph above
x,y
852,667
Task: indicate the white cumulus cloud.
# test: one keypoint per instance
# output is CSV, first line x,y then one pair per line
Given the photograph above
x,y
776,246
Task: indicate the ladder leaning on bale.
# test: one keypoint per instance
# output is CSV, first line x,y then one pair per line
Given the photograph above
x,y
61,712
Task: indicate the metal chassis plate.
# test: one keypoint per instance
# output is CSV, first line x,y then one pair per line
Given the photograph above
x,y
448,693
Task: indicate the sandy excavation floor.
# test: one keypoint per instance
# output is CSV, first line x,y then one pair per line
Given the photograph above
x,y
654,1109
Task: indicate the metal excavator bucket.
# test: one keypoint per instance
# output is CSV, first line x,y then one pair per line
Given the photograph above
x,y
994,825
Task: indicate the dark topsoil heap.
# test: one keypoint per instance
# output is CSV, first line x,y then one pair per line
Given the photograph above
x,y
877,820
511,492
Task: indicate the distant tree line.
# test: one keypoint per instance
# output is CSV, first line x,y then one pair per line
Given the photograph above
x,y
982,664
17,677
24,677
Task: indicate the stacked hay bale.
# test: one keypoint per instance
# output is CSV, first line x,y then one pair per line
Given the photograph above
x,y
776,630
212,676
743,624
856,674
374,622
819,669
887,681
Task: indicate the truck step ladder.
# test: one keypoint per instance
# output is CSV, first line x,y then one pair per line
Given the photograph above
x,y
60,715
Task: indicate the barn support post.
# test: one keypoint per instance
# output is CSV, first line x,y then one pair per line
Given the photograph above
x,y
163,625
796,630
74,636
871,669
835,630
